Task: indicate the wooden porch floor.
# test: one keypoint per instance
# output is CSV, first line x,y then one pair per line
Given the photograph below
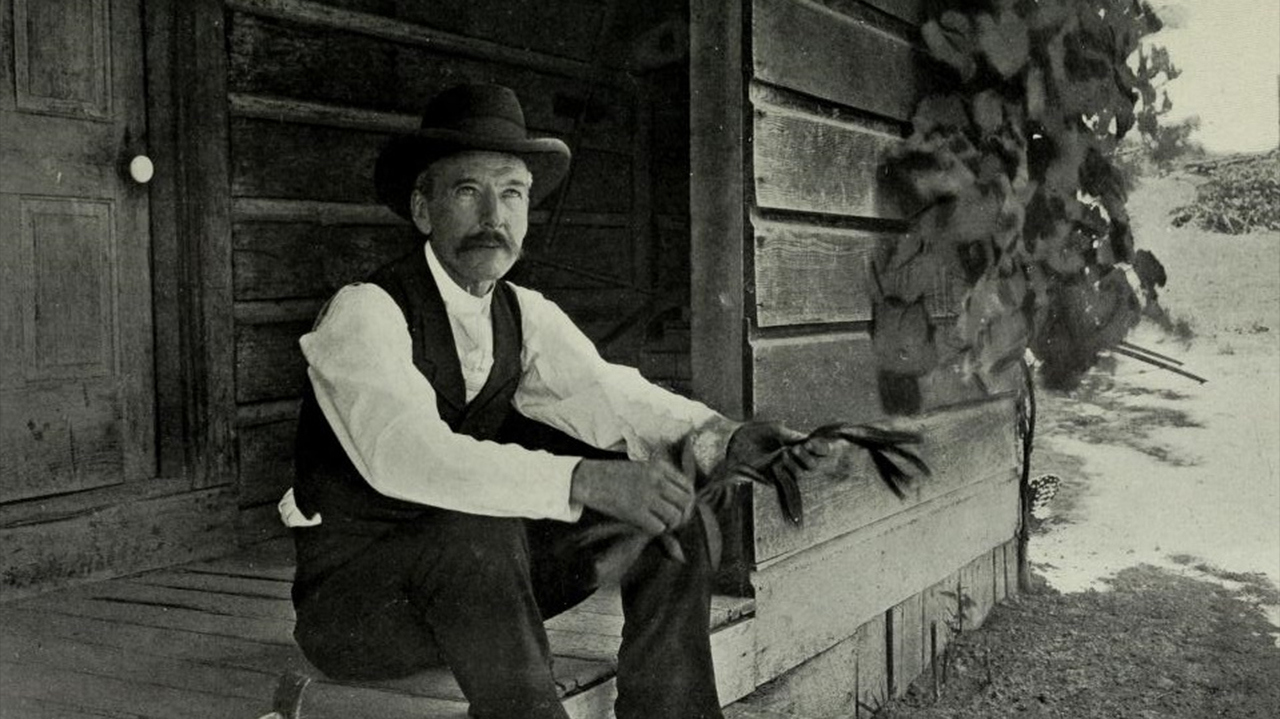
x,y
211,639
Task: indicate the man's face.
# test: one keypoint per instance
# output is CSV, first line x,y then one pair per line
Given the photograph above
x,y
477,213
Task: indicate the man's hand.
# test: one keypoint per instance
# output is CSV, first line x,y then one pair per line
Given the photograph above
x,y
653,496
754,442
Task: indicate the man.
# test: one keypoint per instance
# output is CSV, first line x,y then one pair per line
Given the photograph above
x,y
427,530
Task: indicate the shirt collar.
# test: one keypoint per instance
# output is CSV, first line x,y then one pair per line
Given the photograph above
x,y
456,300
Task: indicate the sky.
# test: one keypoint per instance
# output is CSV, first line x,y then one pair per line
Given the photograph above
x,y
1229,54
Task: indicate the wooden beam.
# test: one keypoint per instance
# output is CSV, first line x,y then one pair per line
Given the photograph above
x,y
822,52
962,446
716,204
191,236
126,537
810,601
808,163
320,15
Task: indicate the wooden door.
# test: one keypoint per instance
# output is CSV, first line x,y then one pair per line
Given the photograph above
x,y
76,390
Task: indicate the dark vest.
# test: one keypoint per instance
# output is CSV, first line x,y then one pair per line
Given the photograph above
x,y
353,513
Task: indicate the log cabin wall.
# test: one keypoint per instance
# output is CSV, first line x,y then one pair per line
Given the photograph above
x,y
315,89
801,100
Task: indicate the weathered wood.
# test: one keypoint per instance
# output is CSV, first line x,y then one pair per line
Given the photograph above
x,y
909,655
308,260
807,163
804,46
733,651
872,686
217,584
941,623
815,379
269,364
266,631
809,601
191,229
115,695
129,664
977,590
266,462
362,72
280,161
962,446
716,158
131,537
27,708
57,439
314,14
75,320
251,415
125,591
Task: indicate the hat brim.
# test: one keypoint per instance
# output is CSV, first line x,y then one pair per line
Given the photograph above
x,y
406,156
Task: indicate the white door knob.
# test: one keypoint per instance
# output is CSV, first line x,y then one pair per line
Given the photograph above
x,y
141,169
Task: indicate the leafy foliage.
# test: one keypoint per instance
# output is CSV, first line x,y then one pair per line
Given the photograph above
x,y
1242,195
1012,162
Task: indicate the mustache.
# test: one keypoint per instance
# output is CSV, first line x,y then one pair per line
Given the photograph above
x,y
485,238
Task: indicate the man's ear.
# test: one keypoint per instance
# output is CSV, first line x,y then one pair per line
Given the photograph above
x,y
421,214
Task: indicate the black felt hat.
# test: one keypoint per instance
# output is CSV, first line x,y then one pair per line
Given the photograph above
x,y
468,117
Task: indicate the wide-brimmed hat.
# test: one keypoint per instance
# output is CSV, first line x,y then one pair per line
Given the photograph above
x,y
468,117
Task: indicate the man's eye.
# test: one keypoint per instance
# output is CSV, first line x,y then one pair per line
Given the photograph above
x,y
466,191
512,193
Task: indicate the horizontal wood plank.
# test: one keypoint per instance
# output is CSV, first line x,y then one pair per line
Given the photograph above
x,y
122,696
284,260
345,15
964,446
118,539
908,643
807,274
290,61
266,461
811,600
813,380
301,260
275,160
806,163
814,49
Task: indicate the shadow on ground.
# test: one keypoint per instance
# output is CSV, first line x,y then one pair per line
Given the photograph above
x,y
1157,645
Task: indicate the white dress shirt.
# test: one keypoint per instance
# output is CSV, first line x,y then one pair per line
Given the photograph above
x,y
383,410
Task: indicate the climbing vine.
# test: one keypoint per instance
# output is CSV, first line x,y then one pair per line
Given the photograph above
x,y
1010,166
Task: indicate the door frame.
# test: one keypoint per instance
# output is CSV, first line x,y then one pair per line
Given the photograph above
x,y
191,240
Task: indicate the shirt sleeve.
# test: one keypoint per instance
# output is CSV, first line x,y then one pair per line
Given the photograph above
x,y
383,411
568,385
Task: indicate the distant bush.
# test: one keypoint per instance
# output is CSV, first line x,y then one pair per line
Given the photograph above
x,y
1242,195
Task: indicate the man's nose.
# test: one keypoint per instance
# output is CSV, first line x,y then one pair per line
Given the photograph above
x,y
490,209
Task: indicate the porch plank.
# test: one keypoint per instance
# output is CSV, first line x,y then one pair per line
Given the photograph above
x,y
131,698
218,583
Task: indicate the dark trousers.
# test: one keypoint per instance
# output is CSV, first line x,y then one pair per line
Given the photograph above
x,y
472,592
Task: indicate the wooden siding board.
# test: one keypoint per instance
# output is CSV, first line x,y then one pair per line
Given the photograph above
x,y
277,260
122,538
809,601
964,446
805,163
908,643
278,59
269,364
804,46
815,379
266,461
278,160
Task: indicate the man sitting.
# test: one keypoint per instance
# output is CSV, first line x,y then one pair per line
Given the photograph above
x,y
430,524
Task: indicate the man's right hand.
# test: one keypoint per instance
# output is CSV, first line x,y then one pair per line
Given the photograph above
x,y
653,496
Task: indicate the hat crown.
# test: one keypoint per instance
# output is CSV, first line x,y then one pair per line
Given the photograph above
x,y
481,109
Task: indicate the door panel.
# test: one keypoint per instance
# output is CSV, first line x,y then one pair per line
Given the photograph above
x,y
76,390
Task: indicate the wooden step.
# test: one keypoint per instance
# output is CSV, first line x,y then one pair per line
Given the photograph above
x,y
584,641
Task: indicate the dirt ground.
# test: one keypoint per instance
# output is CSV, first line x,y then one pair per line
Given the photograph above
x,y
1161,552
